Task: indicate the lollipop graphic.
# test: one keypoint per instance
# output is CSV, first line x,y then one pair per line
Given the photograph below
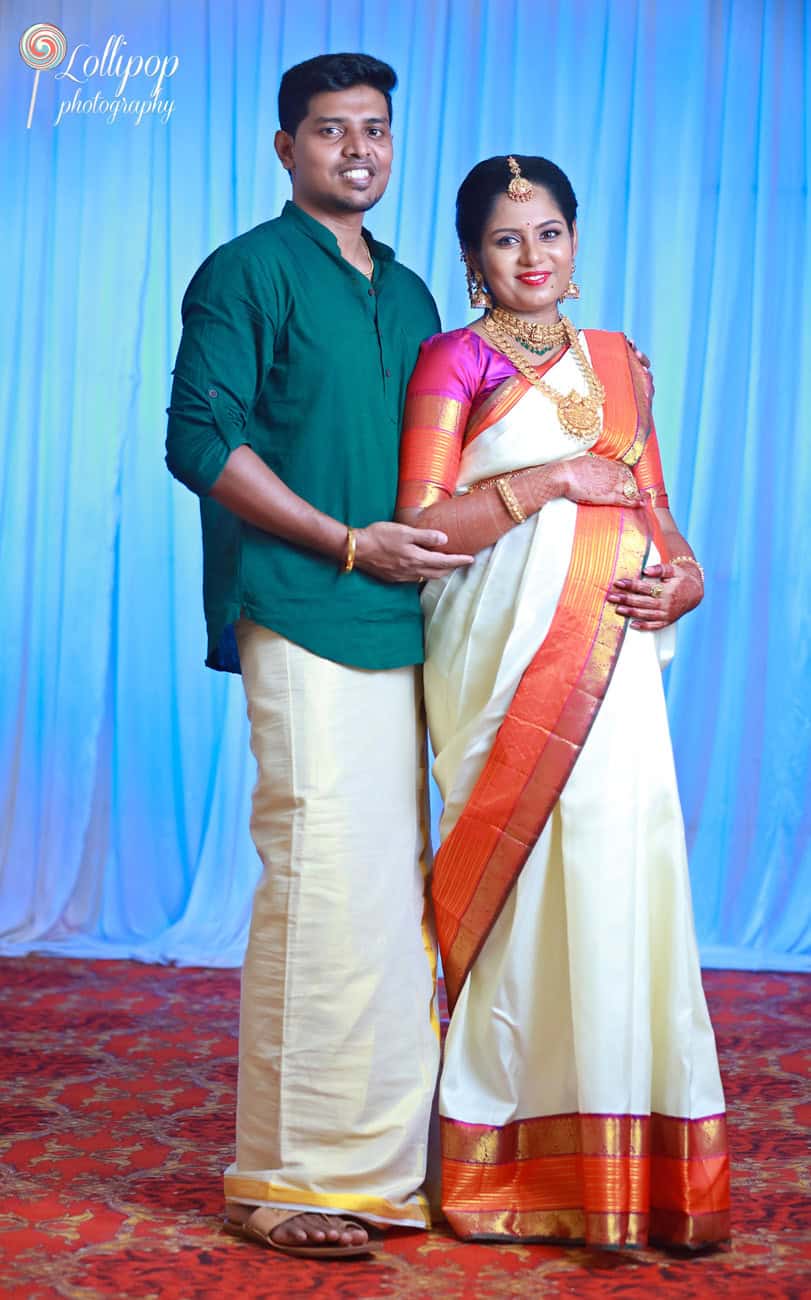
x,y
42,47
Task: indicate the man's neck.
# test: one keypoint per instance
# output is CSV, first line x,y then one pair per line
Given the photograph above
x,y
345,226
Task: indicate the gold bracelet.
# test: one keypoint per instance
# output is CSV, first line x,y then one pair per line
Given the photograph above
x,y
689,559
510,500
351,547
482,484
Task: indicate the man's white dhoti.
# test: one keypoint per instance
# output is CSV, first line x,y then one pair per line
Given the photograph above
x,y
338,1044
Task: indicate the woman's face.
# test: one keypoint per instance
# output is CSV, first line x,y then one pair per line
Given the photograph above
x,y
527,254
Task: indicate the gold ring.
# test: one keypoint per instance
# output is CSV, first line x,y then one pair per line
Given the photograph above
x,y
630,490
656,589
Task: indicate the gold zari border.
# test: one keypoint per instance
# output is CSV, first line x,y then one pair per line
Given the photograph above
x,y
598,1135
239,1187
573,1226
607,1179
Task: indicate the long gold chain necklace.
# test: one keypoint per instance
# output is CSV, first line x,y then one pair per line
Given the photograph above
x,y
579,413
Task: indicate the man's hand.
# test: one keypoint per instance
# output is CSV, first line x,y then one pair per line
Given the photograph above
x,y
640,355
659,597
398,553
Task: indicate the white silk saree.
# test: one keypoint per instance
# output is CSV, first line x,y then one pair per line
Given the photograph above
x,y
580,1097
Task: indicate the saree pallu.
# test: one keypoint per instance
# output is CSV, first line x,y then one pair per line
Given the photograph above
x,y
580,1097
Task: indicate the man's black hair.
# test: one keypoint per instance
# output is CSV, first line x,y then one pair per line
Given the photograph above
x,y
330,72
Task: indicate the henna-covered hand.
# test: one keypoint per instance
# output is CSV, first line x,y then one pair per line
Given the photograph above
x,y
659,597
597,481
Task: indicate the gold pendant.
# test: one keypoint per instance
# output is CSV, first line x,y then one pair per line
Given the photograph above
x,y
578,415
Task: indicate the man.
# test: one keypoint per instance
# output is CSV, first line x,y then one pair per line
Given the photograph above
x,y
298,341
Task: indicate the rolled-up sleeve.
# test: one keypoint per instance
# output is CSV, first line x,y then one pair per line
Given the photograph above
x,y
230,311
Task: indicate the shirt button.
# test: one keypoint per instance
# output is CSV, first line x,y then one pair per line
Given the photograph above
x,y
371,293
213,392
388,374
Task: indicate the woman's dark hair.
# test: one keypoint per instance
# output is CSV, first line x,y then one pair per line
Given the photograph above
x,y
330,72
489,179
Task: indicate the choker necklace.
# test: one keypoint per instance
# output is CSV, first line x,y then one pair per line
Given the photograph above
x,y
531,334
579,413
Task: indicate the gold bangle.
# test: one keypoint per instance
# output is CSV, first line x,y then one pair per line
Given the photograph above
x,y
351,547
510,500
689,559
482,484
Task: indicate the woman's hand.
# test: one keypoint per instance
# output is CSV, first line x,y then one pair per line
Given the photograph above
x,y
595,481
659,597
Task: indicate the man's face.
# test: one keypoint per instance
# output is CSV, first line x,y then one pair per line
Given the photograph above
x,y
340,156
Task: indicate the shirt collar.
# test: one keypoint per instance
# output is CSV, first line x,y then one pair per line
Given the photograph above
x,y
319,232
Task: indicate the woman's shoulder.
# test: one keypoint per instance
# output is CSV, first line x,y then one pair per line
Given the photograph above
x,y
463,339
609,347
607,335
609,339
458,355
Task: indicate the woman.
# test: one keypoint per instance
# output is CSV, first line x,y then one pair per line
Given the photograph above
x,y
580,1096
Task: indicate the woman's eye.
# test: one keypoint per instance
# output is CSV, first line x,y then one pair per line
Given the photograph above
x,y
506,241
549,234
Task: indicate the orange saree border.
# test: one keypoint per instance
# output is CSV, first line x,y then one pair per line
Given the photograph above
x,y
609,1179
436,431
627,409
499,403
555,704
436,426
630,1229
537,743
590,1134
423,467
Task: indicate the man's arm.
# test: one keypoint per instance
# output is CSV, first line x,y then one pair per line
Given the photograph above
x,y
229,323
391,552
230,313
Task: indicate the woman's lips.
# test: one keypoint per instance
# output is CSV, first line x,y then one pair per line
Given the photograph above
x,y
535,277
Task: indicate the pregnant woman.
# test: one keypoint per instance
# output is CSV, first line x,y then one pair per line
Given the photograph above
x,y
580,1097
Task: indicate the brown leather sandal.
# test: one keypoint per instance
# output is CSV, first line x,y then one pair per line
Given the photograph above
x,y
260,1223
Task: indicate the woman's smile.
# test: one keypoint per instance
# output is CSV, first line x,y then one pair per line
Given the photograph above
x,y
534,277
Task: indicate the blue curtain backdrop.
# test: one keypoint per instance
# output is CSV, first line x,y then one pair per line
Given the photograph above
x,y
124,770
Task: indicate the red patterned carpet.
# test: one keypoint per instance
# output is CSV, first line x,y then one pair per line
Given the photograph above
x,y
117,1111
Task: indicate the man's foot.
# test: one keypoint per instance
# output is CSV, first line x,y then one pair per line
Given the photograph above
x,y
319,1229
306,1233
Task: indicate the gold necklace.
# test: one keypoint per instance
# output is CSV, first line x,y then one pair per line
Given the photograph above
x,y
368,252
532,334
579,413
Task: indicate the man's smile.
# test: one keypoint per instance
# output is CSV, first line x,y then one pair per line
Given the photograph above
x,y
359,173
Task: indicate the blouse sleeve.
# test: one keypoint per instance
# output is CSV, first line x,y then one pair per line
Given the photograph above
x,y
437,407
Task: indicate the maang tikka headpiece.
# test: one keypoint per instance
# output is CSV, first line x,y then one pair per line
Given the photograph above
x,y
519,188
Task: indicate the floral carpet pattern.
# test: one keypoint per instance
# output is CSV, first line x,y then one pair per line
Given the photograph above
x,y
117,1085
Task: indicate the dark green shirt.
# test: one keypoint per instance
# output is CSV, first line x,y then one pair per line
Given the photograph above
x,y
288,348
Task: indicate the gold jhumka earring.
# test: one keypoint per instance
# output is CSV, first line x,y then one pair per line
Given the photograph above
x,y
477,291
572,290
